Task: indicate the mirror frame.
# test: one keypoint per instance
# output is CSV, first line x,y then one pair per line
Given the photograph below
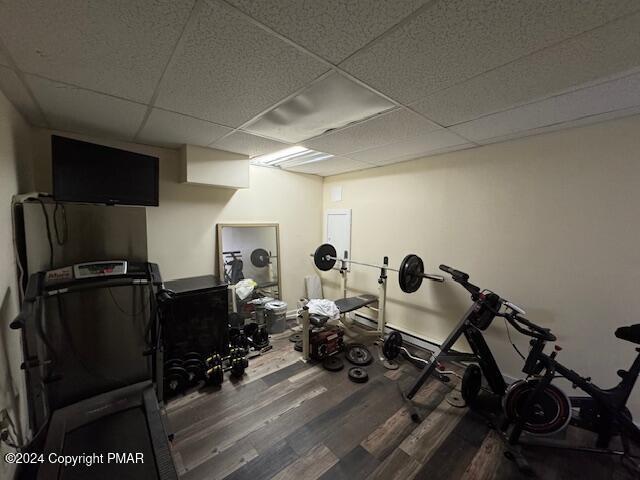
x,y
219,255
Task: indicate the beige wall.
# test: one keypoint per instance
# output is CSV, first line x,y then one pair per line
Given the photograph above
x,y
181,231
550,222
14,177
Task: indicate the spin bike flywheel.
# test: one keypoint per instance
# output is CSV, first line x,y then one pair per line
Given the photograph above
x,y
551,410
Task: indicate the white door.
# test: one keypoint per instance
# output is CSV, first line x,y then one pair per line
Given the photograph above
x,y
338,228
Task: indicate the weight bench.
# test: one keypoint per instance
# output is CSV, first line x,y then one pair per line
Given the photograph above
x,y
349,304
345,305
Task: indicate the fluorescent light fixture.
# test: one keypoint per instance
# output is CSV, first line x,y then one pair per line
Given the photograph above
x,y
272,158
290,157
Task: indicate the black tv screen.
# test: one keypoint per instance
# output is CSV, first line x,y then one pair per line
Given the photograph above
x,y
90,173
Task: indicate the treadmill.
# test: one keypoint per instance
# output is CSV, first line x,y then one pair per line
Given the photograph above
x,y
122,429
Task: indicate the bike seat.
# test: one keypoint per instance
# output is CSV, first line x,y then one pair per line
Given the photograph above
x,y
630,333
318,320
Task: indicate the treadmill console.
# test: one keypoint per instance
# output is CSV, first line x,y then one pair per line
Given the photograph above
x,y
81,271
99,269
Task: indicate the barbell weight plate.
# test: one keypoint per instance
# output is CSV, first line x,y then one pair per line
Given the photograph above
x,y
173,362
298,346
195,367
410,273
192,356
333,363
260,258
295,337
358,375
176,379
391,346
324,257
358,354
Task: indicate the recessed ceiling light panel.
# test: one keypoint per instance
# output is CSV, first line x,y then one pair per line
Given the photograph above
x,y
290,157
332,102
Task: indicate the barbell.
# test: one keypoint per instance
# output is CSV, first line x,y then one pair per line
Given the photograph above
x,y
410,274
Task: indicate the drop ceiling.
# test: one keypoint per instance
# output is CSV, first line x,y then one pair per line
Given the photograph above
x,y
416,77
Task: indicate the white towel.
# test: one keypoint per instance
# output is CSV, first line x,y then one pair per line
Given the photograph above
x,y
313,286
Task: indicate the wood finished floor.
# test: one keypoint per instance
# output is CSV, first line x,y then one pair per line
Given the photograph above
x,y
289,420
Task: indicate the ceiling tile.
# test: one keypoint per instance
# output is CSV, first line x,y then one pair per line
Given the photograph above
x,y
118,47
169,129
247,144
395,126
614,95
599,53
331,102
78,110
430,143
333,29
454,40
17,93
228,70
331,166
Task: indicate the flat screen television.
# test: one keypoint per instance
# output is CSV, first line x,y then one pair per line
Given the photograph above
x,y
90,173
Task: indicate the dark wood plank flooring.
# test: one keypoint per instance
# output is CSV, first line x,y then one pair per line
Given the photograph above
x,y
290,420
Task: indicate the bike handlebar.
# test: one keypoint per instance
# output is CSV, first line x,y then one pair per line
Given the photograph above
x,y
514,316
531,330
456,274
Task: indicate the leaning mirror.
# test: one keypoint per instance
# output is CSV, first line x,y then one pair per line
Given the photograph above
x,y
248,258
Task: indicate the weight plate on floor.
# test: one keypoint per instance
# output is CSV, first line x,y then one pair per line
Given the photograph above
x,y
321,257
195,368
296,337
176,379
358,354
358,375
192,356
389,365
173,362
391,346
298,346
333,363
410,273
260,258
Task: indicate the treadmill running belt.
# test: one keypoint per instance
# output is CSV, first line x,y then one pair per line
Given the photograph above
x,y
123,432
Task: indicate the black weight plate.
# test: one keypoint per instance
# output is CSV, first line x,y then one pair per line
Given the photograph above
x,y
173,362
296,337
176,378
391,345
260,258
410,273
358,354
192,356
195,367
298,346
333,363
358,375
320,257
471,383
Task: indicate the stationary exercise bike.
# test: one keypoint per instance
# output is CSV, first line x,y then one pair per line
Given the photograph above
x,y
538,407
486,306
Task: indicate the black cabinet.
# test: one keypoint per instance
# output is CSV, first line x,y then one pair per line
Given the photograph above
x,y
197,317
